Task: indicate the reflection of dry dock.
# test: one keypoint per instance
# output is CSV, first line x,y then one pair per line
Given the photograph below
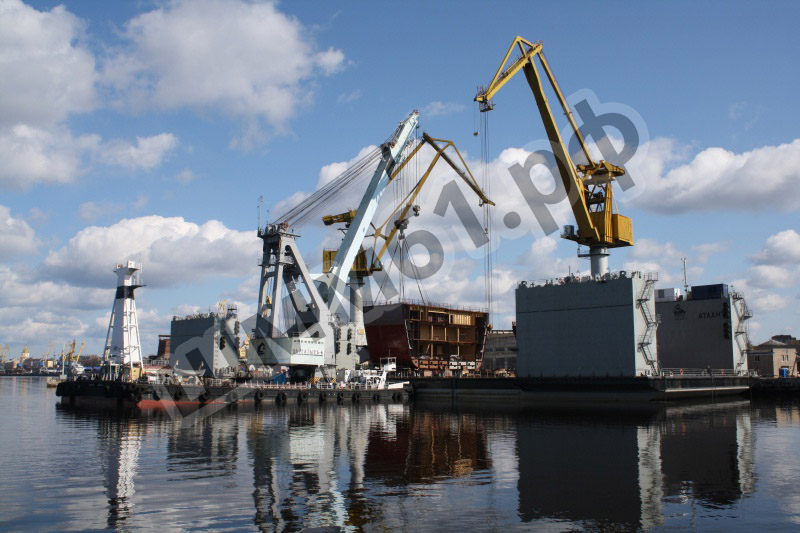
x,y
579,390
158,395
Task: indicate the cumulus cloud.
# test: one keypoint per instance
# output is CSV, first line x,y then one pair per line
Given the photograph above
x,y
22,290
34,156
174,251
47,73
245,59
147,153
718,179
38,326
17,238
771,276
780,249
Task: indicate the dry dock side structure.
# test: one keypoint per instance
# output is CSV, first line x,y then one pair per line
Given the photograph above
x,y
588,327
705,328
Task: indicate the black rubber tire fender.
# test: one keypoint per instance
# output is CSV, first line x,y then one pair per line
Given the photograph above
x,y
356,397
339,397
177,395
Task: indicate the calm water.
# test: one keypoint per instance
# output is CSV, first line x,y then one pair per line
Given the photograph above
x,y
725,466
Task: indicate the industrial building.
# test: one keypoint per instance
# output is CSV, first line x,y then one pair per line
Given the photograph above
x,y
774,358
501,351
705,329
583,327
432,339
206,344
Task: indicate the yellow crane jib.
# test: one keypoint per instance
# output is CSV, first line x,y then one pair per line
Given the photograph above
x,y
341,218
599,227
397,220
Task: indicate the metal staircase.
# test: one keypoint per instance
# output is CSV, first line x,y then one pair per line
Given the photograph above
x,y
743,314
651,321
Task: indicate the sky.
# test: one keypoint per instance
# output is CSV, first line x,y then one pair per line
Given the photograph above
x,y
149,130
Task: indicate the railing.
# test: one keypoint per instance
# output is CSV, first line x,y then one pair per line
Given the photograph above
x,y
648,276
704,372
369,303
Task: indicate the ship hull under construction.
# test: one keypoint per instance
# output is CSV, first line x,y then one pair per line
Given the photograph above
x,y
431,339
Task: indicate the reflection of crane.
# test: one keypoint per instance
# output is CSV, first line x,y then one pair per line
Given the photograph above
x,y
589,193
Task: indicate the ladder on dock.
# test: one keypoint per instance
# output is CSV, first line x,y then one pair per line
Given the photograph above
x,y
651,321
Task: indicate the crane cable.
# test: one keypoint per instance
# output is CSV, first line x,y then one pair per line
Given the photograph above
x,y
488,217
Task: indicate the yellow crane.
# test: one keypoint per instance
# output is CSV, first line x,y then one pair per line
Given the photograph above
x,y
588,185
398,218
3,353
77,356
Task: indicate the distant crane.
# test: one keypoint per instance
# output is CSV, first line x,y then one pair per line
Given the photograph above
x,y
588,185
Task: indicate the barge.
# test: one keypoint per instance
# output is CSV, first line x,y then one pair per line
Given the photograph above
x,y
83,392
579,390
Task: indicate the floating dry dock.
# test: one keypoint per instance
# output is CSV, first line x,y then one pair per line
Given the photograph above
x,y
549,390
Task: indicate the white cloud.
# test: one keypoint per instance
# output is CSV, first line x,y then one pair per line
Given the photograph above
x,y
718,179
147,153
23,290
437,108
772,276
245,59
173,250
46,72
91,211
349,97
760,300
39,325
704,251
185,176
141,202
781,248
652,250
32,156
16,236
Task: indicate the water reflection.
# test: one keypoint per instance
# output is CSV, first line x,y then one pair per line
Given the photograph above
x,y
394,466
616,468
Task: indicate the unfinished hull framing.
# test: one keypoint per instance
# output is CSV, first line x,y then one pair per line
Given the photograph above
x,y
431,339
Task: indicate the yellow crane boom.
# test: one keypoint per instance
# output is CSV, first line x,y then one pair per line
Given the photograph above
x,y
400,214
588,185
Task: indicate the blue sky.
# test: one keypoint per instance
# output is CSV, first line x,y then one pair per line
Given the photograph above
x,y
151,128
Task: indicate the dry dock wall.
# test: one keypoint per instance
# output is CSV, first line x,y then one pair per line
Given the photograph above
x,y
587,328
701,333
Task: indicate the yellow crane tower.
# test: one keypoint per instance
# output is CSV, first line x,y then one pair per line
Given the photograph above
x,y
588,185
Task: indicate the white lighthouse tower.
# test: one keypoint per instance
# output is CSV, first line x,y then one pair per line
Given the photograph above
x,y
122,342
